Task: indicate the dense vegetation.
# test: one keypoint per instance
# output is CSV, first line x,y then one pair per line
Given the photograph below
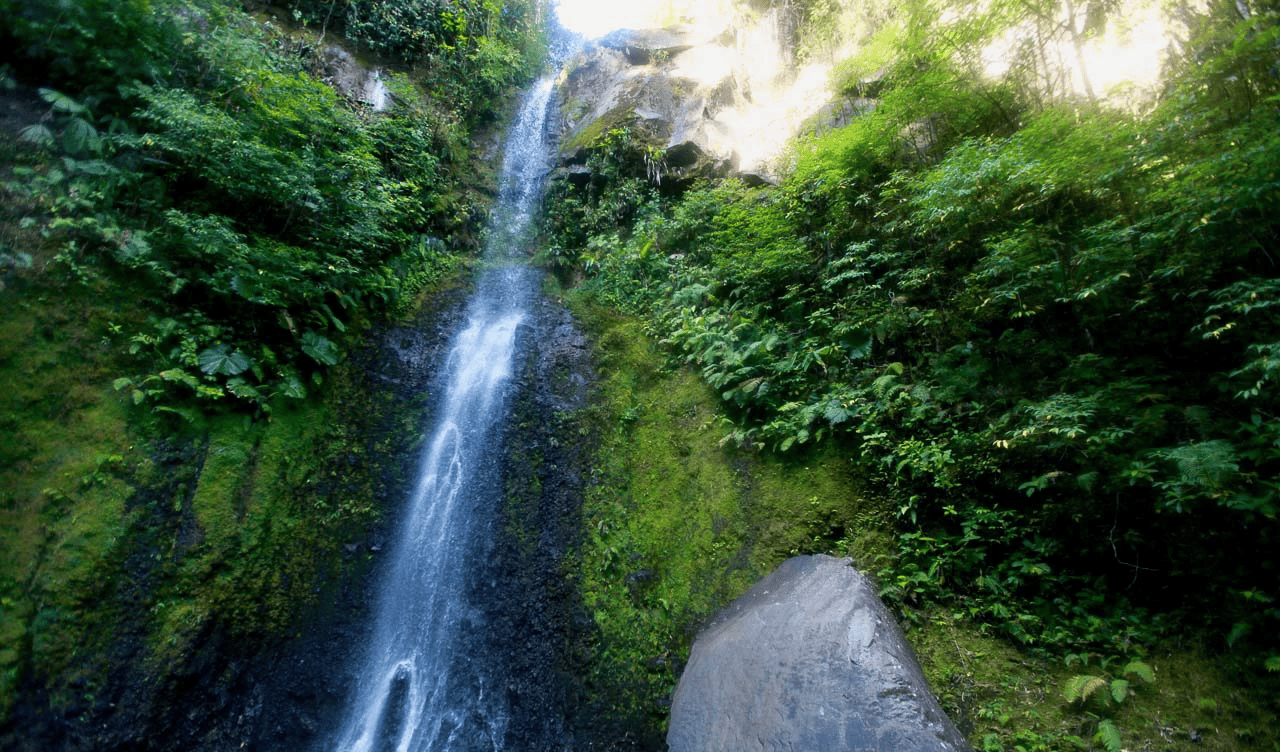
x,y
199,150
1013,349
195,231
1040,328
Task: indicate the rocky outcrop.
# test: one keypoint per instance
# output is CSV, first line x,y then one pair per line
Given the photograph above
x,y
707,101
808,659
628,79
351,78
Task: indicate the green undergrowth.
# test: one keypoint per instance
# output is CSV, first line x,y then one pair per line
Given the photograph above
x,y
130,530
679,524
1041,331
119,523
1006,699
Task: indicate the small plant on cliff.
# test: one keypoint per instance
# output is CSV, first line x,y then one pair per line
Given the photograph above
x,y
1104,690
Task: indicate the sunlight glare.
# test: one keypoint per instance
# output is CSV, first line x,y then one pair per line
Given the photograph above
x,y
594,18
1134,60
1120,63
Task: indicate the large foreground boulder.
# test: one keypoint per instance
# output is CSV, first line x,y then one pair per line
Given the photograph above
x,y
808,660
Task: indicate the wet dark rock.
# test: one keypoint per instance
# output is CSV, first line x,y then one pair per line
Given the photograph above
x,y
808,659
288,693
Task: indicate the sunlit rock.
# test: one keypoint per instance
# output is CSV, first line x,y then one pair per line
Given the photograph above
x,y
808,659
708,99
351,78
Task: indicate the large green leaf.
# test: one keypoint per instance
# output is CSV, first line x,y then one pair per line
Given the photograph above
x,y
80,137
857,344
323,350
291,386
61,102
221,360
243,389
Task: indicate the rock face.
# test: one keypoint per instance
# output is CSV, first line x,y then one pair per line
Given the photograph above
x,y
809,659
707,100
351,78
627,79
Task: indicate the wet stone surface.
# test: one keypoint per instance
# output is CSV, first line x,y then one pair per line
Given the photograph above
x,y
289,693
808,659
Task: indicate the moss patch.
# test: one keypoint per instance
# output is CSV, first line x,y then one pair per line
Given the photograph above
x,y
1003,698
677,523
594,133
67,460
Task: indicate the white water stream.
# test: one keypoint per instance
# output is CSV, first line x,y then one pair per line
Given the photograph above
x,y
417,691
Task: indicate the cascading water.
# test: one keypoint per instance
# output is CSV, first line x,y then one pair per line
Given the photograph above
x,y
418,691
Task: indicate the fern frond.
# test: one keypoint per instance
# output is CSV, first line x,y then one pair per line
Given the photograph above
x,y
1108,735
1093,685
1071,692
1080,687
1144,672
1119,690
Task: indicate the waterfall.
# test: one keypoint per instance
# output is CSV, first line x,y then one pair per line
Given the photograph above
x,y
417,691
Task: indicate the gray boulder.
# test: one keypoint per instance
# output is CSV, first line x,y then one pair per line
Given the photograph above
x,y
808,660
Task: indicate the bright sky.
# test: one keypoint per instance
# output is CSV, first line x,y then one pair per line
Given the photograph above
x,y
595,18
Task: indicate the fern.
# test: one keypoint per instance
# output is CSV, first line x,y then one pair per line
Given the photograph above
x,y
1209,464
1119,690
1108,735
1082,686
1142,670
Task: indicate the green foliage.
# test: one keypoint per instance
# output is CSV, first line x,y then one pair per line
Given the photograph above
x,y
1104,691
473,50
262,213
1108,735
91,44
677,525
192,238
1106,687
1015,315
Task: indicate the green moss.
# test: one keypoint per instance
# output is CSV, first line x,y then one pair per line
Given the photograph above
x,y
266,520
67,460
679,524
595,131
1003,698
236,534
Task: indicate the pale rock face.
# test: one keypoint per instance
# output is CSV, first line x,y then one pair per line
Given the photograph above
x,y
351,78
809,659
713,99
